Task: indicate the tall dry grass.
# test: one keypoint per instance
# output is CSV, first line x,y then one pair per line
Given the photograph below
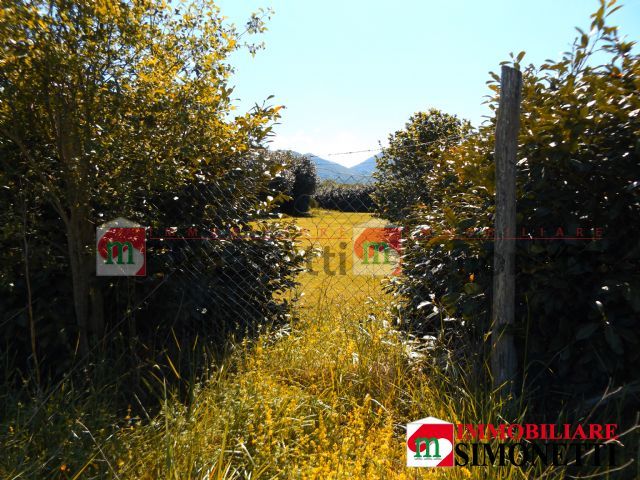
x,y
326,397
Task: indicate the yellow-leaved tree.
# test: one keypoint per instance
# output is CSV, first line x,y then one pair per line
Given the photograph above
x,y
101,100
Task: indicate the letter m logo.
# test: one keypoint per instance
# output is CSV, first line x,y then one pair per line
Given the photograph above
x,y
376,247
426,452
430,443
121,249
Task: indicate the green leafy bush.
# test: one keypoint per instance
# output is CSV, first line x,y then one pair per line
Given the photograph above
x,y
150,138
295,183
411,154
208,289
232,284
577,314
356,197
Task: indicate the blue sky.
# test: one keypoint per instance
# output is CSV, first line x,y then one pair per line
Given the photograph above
x,y
350,72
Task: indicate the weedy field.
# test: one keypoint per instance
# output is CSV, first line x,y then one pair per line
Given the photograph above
x,y
330,278
224,357
326,397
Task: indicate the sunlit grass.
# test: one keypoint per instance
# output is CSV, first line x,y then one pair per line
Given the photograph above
x,y
326,398
330,277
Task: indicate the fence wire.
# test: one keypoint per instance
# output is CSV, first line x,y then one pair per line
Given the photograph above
x,y
234,265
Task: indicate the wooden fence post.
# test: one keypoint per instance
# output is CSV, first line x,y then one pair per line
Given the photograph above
x,y
504,362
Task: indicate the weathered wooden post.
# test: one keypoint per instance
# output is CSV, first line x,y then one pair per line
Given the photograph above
x,y
504,362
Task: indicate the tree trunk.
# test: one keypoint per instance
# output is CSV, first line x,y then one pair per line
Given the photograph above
x,y
87,296
80,281
87,292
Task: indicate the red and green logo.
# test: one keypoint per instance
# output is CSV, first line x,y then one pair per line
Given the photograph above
x,y
430,443
376,249
121,249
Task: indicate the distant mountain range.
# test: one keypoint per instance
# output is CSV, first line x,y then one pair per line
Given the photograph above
x,y
328,170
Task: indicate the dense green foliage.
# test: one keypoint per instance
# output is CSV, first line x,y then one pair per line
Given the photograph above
x,y
577,307
412,154
120,109
296,183
351,197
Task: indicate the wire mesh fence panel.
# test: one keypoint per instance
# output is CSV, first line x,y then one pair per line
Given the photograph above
x,y
236,267
205,260
353,251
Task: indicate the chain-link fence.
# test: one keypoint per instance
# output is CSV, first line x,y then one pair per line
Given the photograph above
x,y
239,273
221,256
244,270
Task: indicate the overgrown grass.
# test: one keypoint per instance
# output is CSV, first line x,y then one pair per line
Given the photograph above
x,y
327,397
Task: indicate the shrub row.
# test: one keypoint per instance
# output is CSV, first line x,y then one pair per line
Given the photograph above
x,y
206,289
345,197
295,184
577,312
